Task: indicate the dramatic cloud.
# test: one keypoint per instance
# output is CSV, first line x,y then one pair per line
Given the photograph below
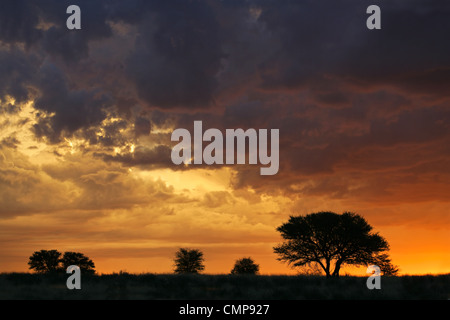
x,y
177,56
17,69
19,22
68,110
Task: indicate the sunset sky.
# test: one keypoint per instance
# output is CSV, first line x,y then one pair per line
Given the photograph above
x,y
86,118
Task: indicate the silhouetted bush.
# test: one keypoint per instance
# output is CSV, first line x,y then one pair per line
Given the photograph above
x,y
189,261
245,266
50,261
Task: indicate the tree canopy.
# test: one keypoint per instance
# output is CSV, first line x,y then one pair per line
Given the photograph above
x,y
332,240
85,264
189,261
245,266
45,261
48,261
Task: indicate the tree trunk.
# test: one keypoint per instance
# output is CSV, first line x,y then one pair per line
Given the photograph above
x,y
327,268
337,267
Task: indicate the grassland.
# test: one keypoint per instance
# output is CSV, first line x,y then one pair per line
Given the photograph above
x,y
25,286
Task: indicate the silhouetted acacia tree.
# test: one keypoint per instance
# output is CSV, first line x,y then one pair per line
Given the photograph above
x,y
245,266
189,261
48,261
45,261
328,239
85,264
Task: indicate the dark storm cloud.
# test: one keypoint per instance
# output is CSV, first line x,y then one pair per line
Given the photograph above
x,y
73,45
142,126
19,20
173,62
43,23
177,55
356,88
319,37
16,73
68,110
147,158
26,74
310,68
182,46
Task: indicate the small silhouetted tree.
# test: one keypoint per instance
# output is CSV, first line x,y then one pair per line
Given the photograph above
x,y
45,261
245,266
189,261
85,264
332,240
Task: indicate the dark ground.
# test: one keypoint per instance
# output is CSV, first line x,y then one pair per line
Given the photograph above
x,y
25,286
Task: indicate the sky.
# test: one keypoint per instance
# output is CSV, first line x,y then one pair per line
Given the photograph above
x,y
86,118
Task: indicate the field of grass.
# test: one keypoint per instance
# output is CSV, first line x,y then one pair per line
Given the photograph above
x,y
25,286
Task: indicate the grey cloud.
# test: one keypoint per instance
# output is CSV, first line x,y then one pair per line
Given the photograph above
x,y
19,20
74,46
10,142
142,126
33,21
17,71
152,158
331,38
177,56
309,68
73,109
